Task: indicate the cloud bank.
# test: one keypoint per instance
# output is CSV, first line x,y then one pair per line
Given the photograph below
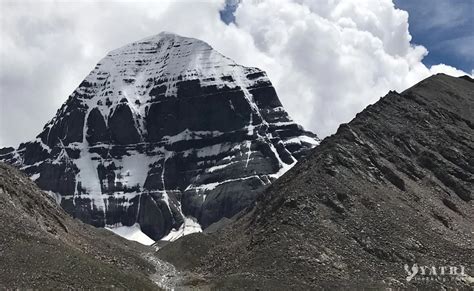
x,y
327,59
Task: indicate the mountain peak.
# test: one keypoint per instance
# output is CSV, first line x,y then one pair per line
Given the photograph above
x,y
168,55
167,40
170,35
164,132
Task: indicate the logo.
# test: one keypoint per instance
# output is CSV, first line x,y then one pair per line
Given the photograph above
x,y
412,273
438,273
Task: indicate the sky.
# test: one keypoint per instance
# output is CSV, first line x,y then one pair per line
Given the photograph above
x,y
327,59
448,33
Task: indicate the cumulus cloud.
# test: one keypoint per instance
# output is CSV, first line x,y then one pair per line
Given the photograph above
x,y
327,59
336,57
446,69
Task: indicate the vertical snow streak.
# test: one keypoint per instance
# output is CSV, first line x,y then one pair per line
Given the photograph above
x,y
249,142
138,206
88,175
249,152
163,168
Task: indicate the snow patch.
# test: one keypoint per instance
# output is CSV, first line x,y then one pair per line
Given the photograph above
x,y
190,225
214,185
191,135
133,232
135,167
89,178
35,176
283,166
302,139
219,167
306,139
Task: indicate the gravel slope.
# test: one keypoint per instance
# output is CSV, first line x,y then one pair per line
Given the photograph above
x,y
42,247
392,187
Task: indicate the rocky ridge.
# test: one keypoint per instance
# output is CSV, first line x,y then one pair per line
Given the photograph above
x,y
391,189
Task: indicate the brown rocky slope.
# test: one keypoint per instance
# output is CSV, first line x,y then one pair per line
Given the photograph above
x,y
392,187
42,247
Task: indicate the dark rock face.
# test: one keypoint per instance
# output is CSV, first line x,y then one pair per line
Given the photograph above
x,y
392,187
122,125
163,130
97,130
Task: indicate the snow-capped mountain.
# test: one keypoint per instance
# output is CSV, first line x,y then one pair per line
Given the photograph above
x,y
163,130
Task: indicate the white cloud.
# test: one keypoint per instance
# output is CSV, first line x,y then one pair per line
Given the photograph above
x,y
327,59
446,69
335,57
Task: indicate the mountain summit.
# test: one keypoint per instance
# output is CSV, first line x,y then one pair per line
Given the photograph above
x,y
164,133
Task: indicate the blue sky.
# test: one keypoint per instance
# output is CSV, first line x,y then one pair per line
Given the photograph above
x,y
445,28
